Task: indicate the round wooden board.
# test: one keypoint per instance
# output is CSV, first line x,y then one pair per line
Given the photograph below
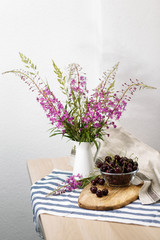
x,y
116,198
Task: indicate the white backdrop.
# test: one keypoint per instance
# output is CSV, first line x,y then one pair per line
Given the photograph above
x,y
94,33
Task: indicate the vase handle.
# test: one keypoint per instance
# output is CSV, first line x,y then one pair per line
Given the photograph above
x,y
97,150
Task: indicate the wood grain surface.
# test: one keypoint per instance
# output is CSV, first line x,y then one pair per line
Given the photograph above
x,y
117,197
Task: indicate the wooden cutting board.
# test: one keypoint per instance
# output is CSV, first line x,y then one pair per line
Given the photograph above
x,y
116,198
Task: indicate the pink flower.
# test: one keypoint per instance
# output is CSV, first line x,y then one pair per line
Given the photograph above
x,y
82,117
69,185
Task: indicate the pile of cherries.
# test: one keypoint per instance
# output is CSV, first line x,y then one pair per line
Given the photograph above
x,y
117,164
117,171
94,189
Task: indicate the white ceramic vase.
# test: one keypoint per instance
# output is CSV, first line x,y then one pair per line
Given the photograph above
x,y
84,160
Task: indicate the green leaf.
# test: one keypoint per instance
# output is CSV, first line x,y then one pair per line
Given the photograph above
x,y
111,87
61,79
28,63
54,134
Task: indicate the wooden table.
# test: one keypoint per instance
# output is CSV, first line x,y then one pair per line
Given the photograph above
x,y
57,228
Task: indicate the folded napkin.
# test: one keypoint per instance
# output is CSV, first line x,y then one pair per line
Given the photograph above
x,y
121,141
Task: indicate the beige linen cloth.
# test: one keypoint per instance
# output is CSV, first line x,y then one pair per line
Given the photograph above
x,y
121,142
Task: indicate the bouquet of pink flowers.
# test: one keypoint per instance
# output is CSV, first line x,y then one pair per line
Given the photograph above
x,y
83,117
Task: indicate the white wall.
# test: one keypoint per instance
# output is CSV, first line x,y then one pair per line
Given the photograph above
x,y
96,34
131,35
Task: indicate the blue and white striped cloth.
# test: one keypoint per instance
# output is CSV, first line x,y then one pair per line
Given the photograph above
x,y
66,205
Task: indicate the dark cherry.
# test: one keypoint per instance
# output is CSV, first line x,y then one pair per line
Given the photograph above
x,y
103,168
131,161
105,192
117,164
124,163
111,170
108,158
125,159
93,182
99,193
117,157
101,181
129,169
134,168
121,162
97,179
118,170
93,189
129,165
112,163
99,164
115,181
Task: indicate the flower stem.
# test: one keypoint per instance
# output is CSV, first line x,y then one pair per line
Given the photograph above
x,y
51,193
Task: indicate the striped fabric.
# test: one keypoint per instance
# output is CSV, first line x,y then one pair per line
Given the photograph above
x,y
66,205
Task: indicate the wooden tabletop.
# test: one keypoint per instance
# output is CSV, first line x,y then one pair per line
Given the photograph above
x,y
63,228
